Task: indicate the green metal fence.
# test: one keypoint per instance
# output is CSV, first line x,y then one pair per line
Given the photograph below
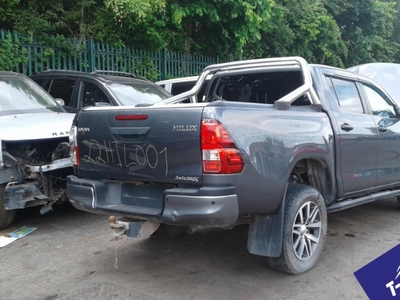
x,y
86,56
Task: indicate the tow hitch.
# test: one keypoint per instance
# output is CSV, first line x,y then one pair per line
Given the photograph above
x,y
132,228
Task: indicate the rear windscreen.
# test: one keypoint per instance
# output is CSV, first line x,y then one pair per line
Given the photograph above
x,y
266,87
181,87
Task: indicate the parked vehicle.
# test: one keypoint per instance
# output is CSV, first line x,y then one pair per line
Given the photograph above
x,y
80,89
277,143
180,85
387,75
34,148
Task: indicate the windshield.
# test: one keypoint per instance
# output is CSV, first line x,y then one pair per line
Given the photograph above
x,y
387,75
22,95
132,93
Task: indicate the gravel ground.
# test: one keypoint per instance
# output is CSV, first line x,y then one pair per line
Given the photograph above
x,y
72,255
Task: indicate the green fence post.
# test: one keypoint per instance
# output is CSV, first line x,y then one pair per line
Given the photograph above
x,y
91,56
163,65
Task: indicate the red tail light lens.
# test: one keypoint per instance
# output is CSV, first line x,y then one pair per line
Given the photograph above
x,y
220,154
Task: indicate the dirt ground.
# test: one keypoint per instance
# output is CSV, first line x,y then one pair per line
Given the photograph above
x,y
72,255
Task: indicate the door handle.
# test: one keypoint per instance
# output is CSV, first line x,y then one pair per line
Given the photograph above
x,y
382,129
347,127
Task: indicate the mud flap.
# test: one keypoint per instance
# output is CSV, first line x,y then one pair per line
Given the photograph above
x,y
266,233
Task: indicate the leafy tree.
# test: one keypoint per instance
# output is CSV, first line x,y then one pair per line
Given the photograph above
x,y
366,27
6,8
300,28
205,26
396,30
10,54
335,32
80,19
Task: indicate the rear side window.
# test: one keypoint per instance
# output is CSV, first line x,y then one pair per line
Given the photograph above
x,y
62,88
347,95
93,94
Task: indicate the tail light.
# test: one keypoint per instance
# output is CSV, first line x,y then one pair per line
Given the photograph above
x,y
74,151
220,154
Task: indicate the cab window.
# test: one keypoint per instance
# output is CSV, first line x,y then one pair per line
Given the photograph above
x,y
347,95
380,104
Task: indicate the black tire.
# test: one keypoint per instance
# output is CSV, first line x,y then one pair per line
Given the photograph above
x,y
304,230
6,216
165,231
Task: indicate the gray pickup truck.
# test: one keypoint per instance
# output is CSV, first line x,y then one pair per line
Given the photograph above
x,y
275,143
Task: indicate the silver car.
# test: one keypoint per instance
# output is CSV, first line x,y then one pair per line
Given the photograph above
x,y
34,149
387,75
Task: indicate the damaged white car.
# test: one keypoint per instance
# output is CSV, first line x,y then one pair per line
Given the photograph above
x,y
34,149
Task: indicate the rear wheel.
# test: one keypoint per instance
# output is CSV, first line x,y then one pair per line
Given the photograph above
x,y
304,230
6,216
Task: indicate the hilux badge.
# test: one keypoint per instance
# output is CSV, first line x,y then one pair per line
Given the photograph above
x,y
184,127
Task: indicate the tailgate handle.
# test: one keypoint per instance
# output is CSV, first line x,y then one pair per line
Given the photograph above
x,y
132,133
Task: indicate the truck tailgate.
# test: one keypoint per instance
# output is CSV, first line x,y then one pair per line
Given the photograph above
x,y
146,144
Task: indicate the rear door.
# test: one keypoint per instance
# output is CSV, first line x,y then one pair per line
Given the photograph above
x,y
157,144
356,138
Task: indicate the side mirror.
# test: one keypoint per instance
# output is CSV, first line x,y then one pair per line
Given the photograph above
x,y
60,101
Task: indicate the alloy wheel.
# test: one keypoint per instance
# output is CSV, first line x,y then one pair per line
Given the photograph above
x,y
306,230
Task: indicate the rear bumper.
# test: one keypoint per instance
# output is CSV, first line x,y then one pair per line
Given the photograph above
x,y
205,206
